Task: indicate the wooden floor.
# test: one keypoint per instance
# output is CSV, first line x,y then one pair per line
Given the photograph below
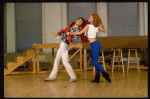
x,y
131,84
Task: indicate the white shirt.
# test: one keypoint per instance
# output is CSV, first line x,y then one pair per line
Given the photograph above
x,y
91,32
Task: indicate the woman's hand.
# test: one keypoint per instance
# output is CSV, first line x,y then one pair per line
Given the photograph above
x,y
102,29
102,23
67,33
54,34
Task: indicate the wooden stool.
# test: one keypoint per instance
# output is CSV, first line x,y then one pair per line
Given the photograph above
x,y
136,56
101,59
119,56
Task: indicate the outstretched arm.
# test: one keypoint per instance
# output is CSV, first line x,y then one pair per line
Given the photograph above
x,y
55,34
67,29
80,32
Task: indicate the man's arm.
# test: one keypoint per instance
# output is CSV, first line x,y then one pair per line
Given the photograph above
x,y
65,30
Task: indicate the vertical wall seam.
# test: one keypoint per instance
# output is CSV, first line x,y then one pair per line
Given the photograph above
x,y
43,24
61,15
15,18
5,30
145,18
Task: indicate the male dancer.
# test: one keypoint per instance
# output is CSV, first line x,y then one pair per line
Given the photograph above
x,y
64,46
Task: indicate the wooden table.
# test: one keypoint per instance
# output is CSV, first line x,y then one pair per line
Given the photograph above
x,y
39,46
117,42
106,42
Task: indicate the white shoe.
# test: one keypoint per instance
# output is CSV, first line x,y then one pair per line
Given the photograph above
x,y
72,80
49,79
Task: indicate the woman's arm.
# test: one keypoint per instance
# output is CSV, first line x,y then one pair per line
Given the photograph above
x,y
80,32
103,29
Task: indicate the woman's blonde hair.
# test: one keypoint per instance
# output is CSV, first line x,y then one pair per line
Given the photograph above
x,y
96,19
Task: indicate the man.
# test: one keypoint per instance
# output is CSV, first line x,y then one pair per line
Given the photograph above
x,y
63,49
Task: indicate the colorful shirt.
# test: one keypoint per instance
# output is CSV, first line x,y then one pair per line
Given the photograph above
x,y
74,37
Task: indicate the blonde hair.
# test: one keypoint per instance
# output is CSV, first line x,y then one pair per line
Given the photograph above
x,y
96,19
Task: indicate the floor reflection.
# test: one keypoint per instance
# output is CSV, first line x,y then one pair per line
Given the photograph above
x,y
124,85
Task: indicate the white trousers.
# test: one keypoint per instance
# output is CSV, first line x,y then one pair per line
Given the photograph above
x,y
62,53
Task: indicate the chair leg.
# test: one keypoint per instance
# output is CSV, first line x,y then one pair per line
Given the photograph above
x,y
112,68
103,60
113,61
93,69
137,60
104,66
113,65
122,61
128,60
122,65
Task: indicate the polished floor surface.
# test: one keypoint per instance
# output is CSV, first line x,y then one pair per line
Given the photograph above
x,y
131,84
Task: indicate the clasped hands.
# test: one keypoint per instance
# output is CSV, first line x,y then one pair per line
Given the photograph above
x,y
71,46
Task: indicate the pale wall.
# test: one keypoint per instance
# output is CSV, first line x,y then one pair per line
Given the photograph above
x,y
54,18
102,12
10,27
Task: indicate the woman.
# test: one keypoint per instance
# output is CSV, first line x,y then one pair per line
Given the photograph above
x,y
91,29
63,50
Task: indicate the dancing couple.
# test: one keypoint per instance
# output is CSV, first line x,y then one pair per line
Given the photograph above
x,y
70,34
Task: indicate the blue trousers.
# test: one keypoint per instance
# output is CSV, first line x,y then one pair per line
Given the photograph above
x,y
95,51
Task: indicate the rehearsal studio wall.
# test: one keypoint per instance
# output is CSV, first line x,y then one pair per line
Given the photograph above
x,y
54,18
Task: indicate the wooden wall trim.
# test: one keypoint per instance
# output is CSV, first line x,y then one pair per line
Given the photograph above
x,y
121,42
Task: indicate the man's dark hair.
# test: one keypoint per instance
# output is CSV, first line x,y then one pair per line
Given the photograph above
x,y
82,20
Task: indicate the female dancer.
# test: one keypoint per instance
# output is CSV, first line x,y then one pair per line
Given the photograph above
x,y
91,29
63,50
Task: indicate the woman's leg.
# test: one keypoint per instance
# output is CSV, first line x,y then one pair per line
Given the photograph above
x,y
95,51
96,70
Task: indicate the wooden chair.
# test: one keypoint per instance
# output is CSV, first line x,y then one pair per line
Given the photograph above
x,y
119,56
136,56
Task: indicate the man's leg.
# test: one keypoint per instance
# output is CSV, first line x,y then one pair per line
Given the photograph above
x,y
66,62
67,65
56,63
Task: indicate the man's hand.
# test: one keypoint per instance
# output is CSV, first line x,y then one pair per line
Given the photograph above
x,y
55,34
72,46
